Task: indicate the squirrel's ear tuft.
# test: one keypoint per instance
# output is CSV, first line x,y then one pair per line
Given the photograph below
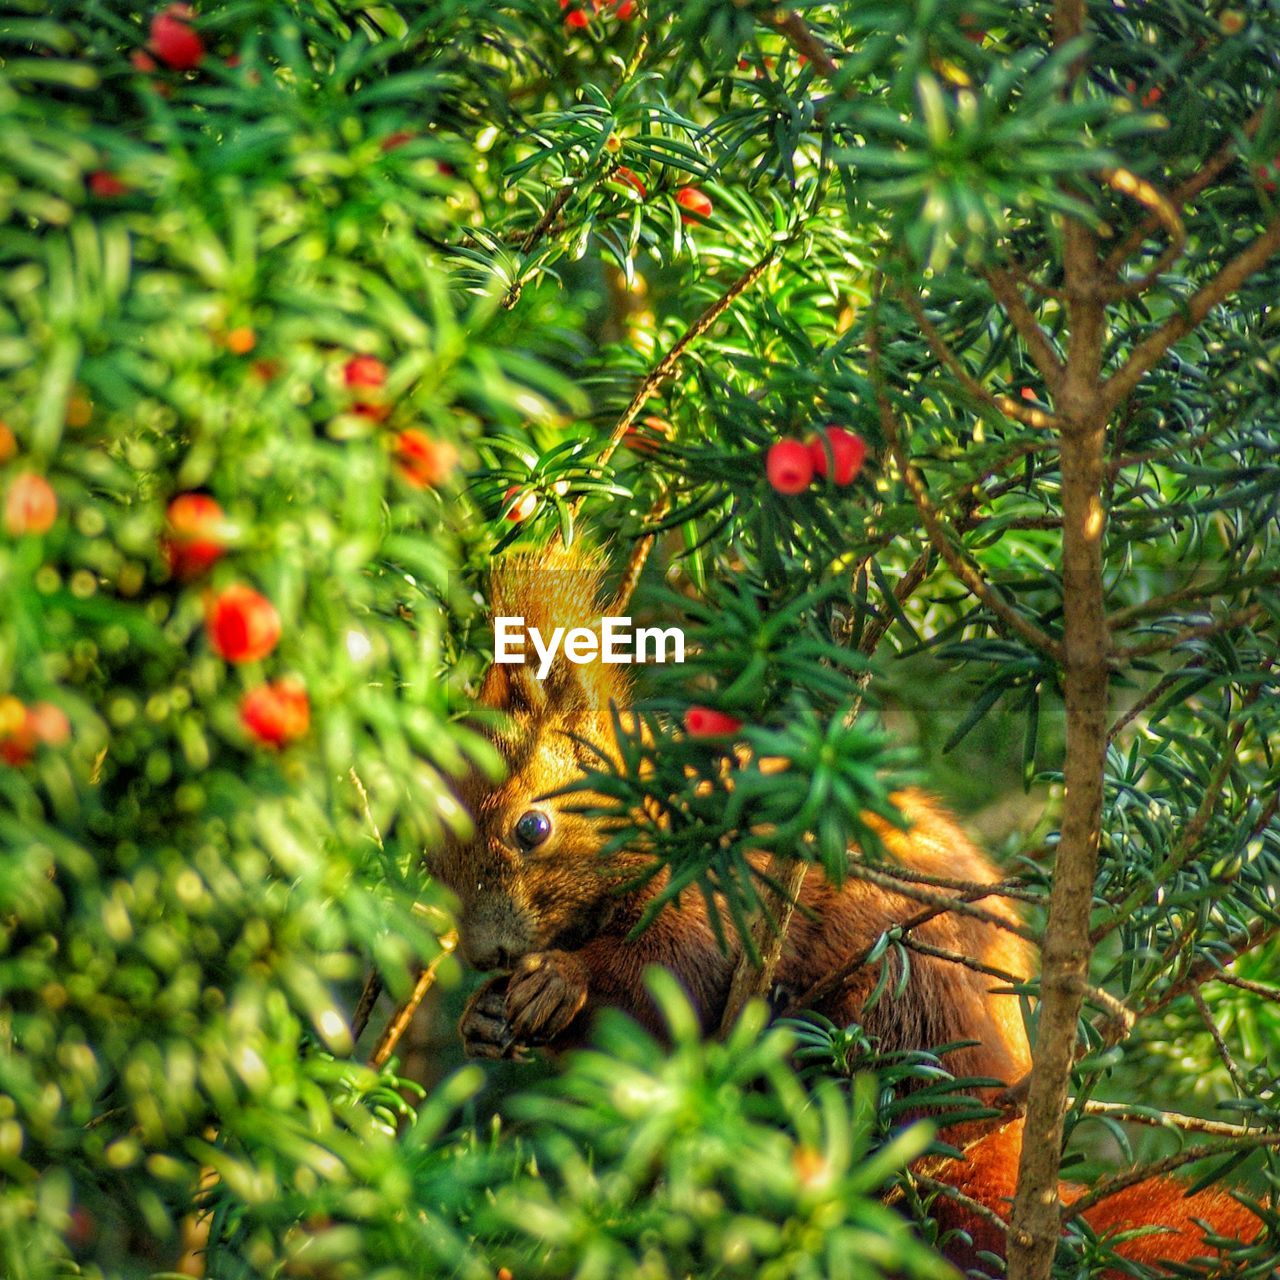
x,y
551,587
556,587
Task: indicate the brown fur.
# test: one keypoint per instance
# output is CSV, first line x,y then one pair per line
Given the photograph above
x,y
554,919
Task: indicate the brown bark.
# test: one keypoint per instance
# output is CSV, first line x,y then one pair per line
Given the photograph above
x,y
1036,1223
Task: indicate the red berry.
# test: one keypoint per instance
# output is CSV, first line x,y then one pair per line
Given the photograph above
x,y
364,371
1268,175
577,19
1028,393
523,507
625,10
105,185
243,625
694,202
49,724
173,41
193,541
847,452
1152,96
8,443
628,178
789,466
706,722
277,712
143,61
31,506
374,412
397,139
424,461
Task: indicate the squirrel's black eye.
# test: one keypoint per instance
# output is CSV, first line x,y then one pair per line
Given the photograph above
x,y
532,829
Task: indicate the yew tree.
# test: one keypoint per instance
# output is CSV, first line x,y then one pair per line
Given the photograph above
x,y
307,309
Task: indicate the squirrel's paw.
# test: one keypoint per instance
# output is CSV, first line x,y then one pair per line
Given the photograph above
x,y
545,993
484,1028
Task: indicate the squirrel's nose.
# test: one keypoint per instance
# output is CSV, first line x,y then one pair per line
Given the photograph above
x,y
483,951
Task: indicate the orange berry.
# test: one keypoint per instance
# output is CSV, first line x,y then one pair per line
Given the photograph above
x,y
364,371
241,341
79,411
17,736
31,505
648,435
628,178
49,724
425,463
193,541
174,41
693,202
8,443
105,185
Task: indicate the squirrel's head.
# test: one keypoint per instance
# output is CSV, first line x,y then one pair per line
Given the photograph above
x,y
531,878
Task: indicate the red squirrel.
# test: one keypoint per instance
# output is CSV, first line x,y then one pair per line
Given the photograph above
x,y
538,905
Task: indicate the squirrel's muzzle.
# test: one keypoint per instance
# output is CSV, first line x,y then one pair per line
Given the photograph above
x,y
495,932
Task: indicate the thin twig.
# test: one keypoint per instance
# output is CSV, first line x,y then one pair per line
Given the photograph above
x,y
1131,1177
945,903
1007,405
1039,347
768,937
1152,696
1215,1032
639,555
840,977
1109,1031
801,38
1187,844
1256,988
404,1014
985,1212
1147,353
364,1006
1162,644
1192,591
667,365
1222,159
1164,1119
967,573
1166,214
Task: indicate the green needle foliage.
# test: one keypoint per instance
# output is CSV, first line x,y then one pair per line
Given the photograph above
x,y
486,207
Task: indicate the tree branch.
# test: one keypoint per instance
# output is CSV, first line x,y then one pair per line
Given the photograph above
x,y
1186,191
1038,345
1006,405
1164,1119
768,935
967,573
667,365
1035,1222
1148,352
1131,1177
1162,644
